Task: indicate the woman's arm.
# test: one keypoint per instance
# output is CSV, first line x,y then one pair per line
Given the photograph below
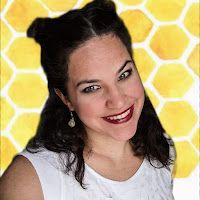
x,y
20,181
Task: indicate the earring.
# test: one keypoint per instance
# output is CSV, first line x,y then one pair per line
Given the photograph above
x,y
71,122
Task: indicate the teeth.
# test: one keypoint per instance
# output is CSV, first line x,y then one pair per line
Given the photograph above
x,y
123,115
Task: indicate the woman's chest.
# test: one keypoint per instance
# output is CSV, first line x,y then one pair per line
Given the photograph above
x,y
146,186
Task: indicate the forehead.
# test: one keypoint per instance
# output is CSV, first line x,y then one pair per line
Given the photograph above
x,y
97,53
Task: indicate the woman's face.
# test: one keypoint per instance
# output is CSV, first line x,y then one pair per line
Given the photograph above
x,y
105,89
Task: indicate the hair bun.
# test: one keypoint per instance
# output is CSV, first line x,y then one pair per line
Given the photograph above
x,y
38,29
103,4
106,4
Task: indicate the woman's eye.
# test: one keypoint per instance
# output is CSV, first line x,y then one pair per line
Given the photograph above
x,y
125,75
90,89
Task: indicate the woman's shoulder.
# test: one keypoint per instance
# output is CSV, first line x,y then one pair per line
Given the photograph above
x,y
20,181
42,157
40,172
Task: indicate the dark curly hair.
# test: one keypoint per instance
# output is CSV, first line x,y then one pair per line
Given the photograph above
x,y
58,38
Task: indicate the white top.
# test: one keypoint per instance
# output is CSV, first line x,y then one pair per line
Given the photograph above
x,y
148,183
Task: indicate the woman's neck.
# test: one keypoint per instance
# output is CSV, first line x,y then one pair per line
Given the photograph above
x,y
107,147
111,159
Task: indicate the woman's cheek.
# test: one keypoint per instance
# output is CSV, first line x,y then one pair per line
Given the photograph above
x,y
138,87
87,109
134,90
139,90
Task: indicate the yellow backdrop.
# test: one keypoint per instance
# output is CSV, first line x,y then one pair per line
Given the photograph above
x,y
165,37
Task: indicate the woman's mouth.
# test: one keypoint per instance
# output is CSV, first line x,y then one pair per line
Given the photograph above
x,y
121,117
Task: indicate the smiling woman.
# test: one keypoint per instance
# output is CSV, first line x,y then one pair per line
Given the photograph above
x,y
112,95
98,129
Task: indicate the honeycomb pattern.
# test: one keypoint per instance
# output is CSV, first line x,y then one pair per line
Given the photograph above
x,y
8,149
139,25
193,60
144,62
131,2
185,150
24,48
61,6
177,79
153,97
28,91
172,118
191,20
165,37
172,42
22,12
23,133
6,35
7,111
196,139
6,73
165,10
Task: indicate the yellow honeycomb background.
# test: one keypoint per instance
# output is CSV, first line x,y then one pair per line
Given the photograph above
x,y
166,45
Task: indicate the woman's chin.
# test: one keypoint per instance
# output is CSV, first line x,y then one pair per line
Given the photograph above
x,y
123,136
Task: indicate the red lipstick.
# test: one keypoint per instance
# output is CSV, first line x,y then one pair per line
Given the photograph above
x,y
120,117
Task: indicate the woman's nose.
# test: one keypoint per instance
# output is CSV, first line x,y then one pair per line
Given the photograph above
x,y
115,98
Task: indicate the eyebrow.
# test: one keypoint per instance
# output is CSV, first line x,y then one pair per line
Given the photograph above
x,y
124,65
96,80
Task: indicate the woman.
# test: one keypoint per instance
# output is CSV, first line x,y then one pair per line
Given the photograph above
x,y
99,136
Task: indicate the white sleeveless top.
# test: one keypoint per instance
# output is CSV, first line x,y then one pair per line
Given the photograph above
x,y
148,183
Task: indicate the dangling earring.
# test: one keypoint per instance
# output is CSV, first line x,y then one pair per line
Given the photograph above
x,y
71,122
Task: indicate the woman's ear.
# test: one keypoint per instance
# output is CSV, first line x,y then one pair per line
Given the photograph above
x,y
64,99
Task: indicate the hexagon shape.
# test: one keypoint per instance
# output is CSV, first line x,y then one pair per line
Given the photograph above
x,y
25,127
169,42
138,24
7,112
8,151
61,6
5,35
153,97
28,91
191,21
187,157
172,80
131,2
25,53
196,139
165,10
178,118
29,9
3,3
6,73
144,63
194,59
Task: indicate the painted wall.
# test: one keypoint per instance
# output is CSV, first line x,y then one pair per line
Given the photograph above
x,y
165,37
